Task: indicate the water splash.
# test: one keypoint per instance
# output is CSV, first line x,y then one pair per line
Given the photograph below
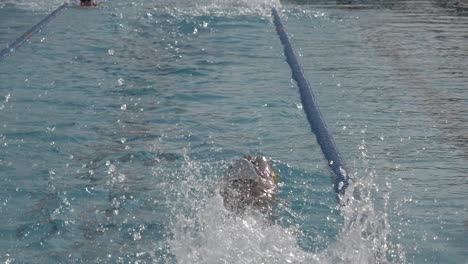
x,y
205,232
219,8
366,235
33,5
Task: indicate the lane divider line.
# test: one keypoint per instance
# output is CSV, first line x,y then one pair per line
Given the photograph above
x,y
21,40
318,126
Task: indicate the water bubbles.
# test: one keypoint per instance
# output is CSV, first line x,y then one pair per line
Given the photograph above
x,y
120,81
137,236
111,52
343,172
291,259
340,186
121,178
7,98
319,14
8,260
110,168
299,106
123,107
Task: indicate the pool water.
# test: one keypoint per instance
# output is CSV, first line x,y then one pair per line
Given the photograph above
x,y
117,123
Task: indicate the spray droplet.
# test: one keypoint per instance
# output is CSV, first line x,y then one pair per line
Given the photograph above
x,y
343,171
340,186
136,236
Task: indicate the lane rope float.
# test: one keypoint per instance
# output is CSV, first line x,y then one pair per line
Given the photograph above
x,y
21,40
325,139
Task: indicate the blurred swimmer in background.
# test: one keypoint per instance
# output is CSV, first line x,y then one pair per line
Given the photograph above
x,y
88,3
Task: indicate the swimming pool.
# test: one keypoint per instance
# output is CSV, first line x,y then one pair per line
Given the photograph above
x,y
117,122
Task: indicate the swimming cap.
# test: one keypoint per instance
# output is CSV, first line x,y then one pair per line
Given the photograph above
x,y
242,169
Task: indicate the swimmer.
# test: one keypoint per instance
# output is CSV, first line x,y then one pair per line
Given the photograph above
x,y
250,182
88,3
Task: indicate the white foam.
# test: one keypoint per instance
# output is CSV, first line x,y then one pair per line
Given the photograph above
x,y
215,236
34,5
220,7
205,232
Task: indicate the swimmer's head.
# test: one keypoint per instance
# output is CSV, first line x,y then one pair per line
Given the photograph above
x,y
250,182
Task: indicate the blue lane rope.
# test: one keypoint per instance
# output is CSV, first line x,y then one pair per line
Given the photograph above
x,y
312,111
21,40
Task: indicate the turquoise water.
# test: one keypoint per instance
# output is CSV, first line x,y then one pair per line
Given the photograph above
x,y
117,123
